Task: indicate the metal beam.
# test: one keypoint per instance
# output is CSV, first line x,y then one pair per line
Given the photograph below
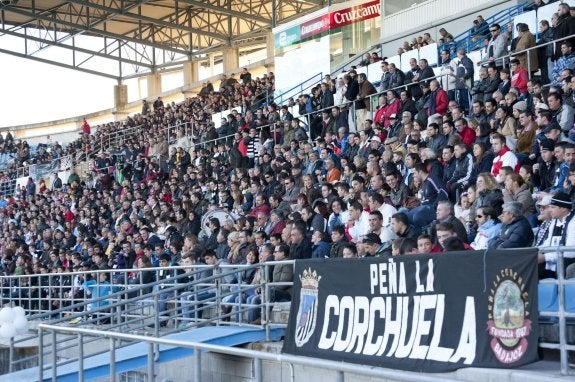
x,y
75,48
226,11
88,28
45,61
122,12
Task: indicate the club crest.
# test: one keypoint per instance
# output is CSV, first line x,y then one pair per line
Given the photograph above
x,y
307,311
509,323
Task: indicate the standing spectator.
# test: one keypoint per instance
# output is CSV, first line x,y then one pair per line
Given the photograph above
x,y
437,99
527,60
565,27
245,76
363,101
85,127
545,52
463,78
519,77
497,46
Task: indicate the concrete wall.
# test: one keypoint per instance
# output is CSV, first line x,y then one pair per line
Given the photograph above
x,y
224,368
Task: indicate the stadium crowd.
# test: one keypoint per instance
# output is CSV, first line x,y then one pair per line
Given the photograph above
x,y
488,165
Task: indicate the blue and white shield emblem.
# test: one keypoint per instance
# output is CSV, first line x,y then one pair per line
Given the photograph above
x,y
307,312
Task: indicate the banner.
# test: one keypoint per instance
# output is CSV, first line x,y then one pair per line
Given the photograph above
x,y
428,313
354,14
44,170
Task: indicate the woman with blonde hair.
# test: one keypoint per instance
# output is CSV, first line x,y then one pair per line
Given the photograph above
x,y
488,193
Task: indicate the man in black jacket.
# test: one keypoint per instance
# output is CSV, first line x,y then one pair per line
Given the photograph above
x,y
516,231
300,244
433,191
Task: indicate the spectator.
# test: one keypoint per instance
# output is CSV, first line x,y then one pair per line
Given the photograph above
x,y
488,227
516,231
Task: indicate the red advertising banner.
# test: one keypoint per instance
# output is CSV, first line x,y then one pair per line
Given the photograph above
x,y
315,26
343,17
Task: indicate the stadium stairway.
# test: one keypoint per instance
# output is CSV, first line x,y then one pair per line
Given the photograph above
x,y
135,356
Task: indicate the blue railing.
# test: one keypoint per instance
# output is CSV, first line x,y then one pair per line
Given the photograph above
x,y
472,39
355,60
283,95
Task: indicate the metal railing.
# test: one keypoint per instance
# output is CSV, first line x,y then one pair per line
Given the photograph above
x,y
469,40
77,338
132,308
298,89
177,298
561,314
341,368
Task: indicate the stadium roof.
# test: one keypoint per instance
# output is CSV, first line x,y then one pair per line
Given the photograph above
x,y
126,38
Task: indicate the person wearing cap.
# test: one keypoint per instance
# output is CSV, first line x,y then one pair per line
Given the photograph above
x,y
545,170
543,216
561,233
516,231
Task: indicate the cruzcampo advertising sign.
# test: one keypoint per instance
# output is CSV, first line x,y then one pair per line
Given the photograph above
x,y
329,21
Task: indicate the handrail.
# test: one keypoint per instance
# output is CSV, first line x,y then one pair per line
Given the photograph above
x,y
357,58
340,367
122,307
300,86
463,39
82,333
509,56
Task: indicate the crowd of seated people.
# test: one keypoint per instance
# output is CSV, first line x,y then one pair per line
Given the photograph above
x,y
434,175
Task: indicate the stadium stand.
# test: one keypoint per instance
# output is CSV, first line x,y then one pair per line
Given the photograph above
x,y
473,150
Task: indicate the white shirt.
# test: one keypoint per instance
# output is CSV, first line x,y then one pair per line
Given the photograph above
x,y
360,227
553,241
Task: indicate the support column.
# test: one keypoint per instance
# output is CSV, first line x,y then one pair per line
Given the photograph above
x,y
231,58
270,42
191,73
212,58
154,84
120,96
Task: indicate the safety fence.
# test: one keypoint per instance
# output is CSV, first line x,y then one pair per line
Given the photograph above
x,y
159,300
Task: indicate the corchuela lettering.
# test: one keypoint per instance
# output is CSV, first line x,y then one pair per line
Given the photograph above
x,y
403,328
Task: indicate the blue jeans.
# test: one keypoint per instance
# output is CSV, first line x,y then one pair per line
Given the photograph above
x,y
421,216
190,304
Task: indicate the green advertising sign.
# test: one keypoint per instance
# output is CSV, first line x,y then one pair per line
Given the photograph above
x,y
288,37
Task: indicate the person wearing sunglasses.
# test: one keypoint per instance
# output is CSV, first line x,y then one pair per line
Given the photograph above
x,y
488,227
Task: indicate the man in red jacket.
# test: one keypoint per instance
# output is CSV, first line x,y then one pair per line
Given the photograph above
x,y
519,77
466,133
438,100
